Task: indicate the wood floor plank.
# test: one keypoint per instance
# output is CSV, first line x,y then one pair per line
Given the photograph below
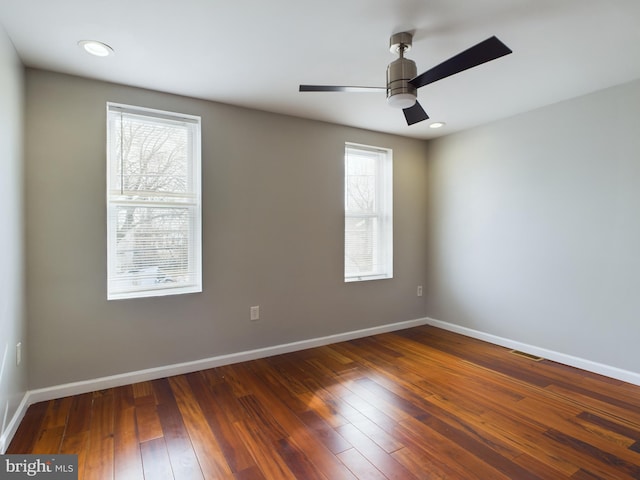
x,y
143,392
326,405
483,430
594,459
584,475
370,425
382,409
359,465
100,451
571,425
632,433
374,454
223,392
262,417
293,396
262,450
234,451
126,443
80,414
252,473
148,422
78,444
155,460
297,461
49,441
99,460
418,403
58,412
319,455
626,412
205,445
527,435
184,462
488,453
316,397
422,466
442,454
324,432
29,429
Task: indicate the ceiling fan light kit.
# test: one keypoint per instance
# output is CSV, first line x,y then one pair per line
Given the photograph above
x,y
403,81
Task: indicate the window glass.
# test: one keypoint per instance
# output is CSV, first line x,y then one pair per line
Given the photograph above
x,y
153,202
368,232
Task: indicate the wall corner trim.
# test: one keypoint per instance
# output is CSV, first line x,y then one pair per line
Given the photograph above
x,y
577,362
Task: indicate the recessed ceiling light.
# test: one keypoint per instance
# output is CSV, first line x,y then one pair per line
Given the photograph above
x,y
437,125
96,48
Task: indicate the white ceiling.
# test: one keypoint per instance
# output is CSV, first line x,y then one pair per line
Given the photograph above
x,y
255,53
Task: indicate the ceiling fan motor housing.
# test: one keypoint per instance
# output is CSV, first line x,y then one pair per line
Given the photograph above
x,y
400,93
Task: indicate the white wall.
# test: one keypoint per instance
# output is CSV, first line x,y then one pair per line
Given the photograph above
x,y
272,236
534,231
13,380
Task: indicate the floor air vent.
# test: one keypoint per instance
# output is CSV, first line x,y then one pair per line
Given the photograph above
x,y
527,355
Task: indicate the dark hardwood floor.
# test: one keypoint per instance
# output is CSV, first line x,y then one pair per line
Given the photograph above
x,y
421,403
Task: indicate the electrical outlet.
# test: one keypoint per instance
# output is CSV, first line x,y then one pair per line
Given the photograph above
x,y
18,353
255,313
419,291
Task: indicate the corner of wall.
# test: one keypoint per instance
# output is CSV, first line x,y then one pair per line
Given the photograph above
x,y
13,377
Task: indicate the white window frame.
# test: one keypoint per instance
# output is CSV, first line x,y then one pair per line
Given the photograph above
x,y
122,286
382,252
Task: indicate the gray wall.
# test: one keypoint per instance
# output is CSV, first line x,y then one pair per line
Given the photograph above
x,y
13,379
534,231
272,236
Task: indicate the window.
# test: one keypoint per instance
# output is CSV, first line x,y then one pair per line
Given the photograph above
x,y
153,203
368,220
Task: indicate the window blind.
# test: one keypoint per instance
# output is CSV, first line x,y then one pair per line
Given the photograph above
x,y
153,203
368,229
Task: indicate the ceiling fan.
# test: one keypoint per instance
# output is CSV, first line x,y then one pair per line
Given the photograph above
x,y
403,81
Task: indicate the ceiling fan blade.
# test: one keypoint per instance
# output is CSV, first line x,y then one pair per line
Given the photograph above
x,y
415,114
338,88
483,52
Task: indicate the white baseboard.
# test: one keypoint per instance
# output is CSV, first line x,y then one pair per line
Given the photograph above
x,y
77,388
12,426
581,363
